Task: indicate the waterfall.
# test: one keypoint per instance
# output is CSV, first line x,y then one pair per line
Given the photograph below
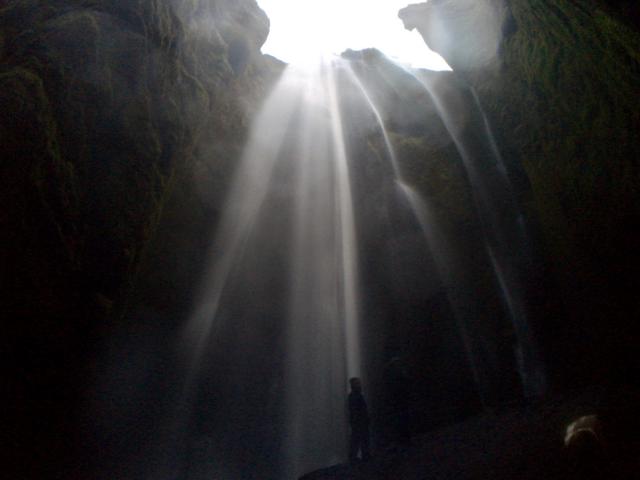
x,y
287,236
459,298
280,305
505,237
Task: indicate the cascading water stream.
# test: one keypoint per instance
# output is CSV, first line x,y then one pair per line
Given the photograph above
x,y
505,238
385,135
246,196
242,208
458,298
324,346
462,298
286,250
290,217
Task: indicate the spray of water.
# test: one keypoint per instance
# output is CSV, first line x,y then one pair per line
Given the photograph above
x,y
247,194
289,226
383,130
460,298
323,340
293,187
505,238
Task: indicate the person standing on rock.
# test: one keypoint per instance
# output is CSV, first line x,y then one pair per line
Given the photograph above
x,y
359,422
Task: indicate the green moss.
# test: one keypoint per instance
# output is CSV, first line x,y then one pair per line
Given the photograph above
x,y
49,173
438,174
571,79
117,101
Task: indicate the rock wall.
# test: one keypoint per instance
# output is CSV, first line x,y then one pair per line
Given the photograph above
x,y
559,93
109,111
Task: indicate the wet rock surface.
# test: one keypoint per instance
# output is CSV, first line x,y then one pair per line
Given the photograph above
x,y
103,110
561,118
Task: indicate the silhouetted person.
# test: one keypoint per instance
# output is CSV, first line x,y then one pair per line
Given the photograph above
x,y
359,421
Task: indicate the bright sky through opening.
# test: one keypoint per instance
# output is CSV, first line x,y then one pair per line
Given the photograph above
x,y
302,30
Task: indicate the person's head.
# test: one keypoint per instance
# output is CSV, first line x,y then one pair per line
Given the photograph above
x,y
356,384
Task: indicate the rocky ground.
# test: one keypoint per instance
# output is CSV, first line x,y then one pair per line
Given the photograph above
x,y
522,443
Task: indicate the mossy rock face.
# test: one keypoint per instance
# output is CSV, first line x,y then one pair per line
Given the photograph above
x,y
576,68
427,156
130,88
40,197
560,95
94,76
433,255
108,110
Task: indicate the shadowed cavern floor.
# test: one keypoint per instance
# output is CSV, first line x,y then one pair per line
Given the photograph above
x,y
523,443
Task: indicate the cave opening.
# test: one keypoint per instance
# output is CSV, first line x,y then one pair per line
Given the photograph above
x,y
303,30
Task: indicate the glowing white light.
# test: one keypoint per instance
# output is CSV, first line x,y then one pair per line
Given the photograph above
x,y
302,30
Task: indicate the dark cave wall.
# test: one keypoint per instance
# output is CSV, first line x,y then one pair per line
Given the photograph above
x,y
581,153
109,112
560,93
119,101
408,298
